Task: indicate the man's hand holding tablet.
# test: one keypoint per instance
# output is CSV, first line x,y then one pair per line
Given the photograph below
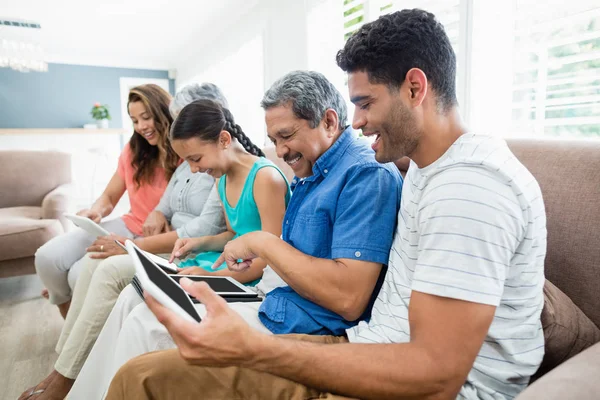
x,y
160,286
222,339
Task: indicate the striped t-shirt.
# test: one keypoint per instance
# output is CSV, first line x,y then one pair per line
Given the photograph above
x,y
471,226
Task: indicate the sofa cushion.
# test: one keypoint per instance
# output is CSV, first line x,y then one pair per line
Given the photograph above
x,y
567,330
22,231
576,379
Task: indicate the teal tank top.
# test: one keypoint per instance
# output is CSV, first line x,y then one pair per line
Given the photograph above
x,y
243,218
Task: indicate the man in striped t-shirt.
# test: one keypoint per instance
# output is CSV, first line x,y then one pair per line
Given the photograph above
x,y
458,315
473,229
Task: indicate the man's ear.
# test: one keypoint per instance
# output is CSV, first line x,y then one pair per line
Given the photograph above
x,y
417,86
330,122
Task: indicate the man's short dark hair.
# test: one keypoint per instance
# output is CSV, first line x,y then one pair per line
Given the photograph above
x,y
387,48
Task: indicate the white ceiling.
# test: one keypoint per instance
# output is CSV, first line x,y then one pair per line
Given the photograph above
x,y
155,34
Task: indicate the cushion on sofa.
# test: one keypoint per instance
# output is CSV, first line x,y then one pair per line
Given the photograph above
x,y
567,330
576,379
22,231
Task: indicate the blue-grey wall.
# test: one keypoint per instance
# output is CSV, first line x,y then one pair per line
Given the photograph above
x,y
64,96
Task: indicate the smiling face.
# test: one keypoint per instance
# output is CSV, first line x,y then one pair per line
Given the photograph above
x,y
382,112
143,123
295,141
203,156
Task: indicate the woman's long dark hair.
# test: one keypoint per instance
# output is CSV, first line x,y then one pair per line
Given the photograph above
x,y
205,119
145,157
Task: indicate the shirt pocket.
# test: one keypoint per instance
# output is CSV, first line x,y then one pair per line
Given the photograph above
x,y
311,234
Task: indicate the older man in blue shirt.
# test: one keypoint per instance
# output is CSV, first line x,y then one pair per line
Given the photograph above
x,y
339,224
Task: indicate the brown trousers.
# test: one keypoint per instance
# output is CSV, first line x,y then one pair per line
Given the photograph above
x,y
164,375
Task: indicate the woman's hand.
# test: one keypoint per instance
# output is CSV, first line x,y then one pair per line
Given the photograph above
x,y
194,271
184,246
91,214
155,223
105,247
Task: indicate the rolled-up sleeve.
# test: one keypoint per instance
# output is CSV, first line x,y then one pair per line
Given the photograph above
x,y
366,215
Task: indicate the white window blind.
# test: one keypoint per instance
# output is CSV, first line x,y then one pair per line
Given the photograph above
x,y
451,13
359,12
556,68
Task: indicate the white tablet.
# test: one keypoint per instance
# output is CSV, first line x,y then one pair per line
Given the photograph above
x,y
224,286
168,267
163,288
87,225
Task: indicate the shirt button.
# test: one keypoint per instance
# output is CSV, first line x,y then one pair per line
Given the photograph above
x,y
326,171
287,222
357,254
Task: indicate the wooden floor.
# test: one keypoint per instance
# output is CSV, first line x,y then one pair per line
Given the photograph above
x,y
29,330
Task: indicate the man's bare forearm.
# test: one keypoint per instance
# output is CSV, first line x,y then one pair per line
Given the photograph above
x,y
336,289
394,371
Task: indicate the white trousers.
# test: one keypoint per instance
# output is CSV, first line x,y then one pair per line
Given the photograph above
x,y
58,263
95,293
132,330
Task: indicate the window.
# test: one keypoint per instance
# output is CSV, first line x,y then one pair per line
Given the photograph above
x,y
448,12
522,69
359,12
556,68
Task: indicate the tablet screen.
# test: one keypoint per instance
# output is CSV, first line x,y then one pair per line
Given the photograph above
x,y
168,285
219,285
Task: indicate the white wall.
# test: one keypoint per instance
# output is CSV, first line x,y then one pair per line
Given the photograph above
x,y
268,40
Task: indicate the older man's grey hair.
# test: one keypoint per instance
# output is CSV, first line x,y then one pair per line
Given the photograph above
x,y
195,92
310,95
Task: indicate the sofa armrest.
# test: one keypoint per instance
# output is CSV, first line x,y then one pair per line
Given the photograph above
x,y
576,378
58,202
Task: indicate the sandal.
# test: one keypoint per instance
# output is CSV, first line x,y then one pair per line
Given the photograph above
x,y
34,392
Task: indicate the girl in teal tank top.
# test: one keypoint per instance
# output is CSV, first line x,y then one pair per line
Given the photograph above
x,y
243,218
206,136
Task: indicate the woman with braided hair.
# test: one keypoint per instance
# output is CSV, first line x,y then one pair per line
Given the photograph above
x,y
254,194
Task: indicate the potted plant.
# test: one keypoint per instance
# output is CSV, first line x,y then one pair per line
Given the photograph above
x,y
101,115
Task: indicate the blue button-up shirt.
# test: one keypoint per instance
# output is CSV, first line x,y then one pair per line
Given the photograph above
x,y
346,209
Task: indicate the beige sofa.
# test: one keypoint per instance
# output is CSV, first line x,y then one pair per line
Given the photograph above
x,y
569,175
34,193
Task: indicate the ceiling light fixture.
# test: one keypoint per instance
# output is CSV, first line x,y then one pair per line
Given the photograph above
x,y
20,46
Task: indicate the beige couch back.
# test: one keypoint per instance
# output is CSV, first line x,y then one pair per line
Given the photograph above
x,y
569,174
27,176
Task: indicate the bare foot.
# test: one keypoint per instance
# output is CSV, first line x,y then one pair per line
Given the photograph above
x,y
45,293
40,386
64,308
58,389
